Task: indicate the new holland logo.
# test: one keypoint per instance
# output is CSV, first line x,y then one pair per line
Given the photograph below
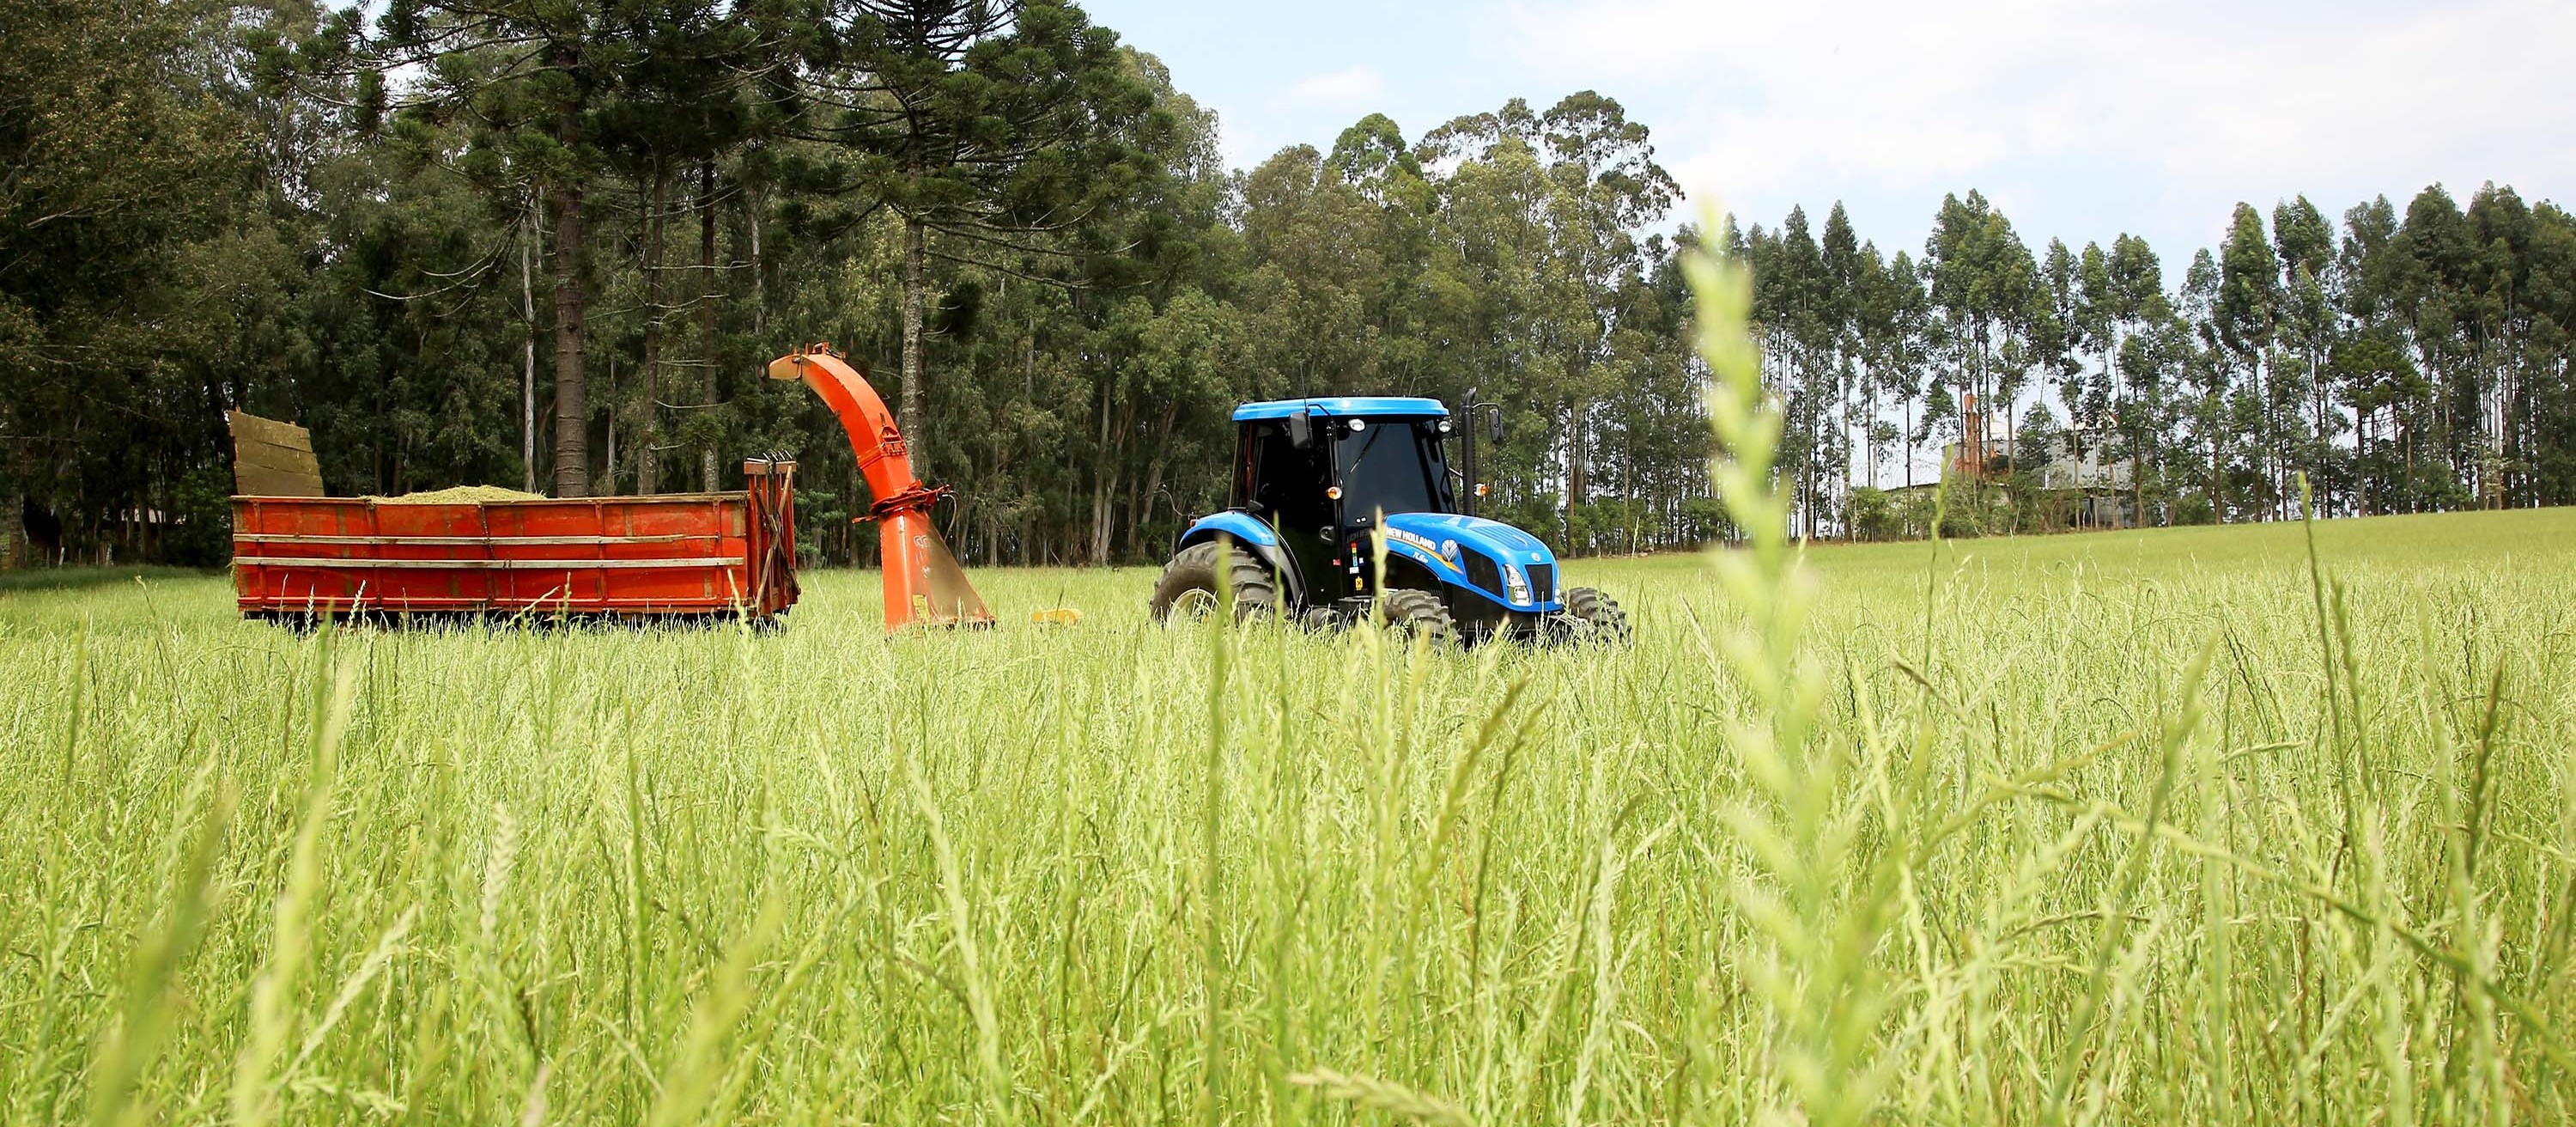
x,y
1400,536
1422,544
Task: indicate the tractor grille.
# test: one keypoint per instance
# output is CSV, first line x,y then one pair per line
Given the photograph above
x,y
1542,582
1482,573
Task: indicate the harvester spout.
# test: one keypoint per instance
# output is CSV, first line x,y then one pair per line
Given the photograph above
x,y
923,582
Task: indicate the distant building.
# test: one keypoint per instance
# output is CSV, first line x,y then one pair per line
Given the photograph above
x,y
2088,486
2073,459
2081,459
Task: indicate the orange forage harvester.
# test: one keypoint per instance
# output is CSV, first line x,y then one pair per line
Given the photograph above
x,y
923,583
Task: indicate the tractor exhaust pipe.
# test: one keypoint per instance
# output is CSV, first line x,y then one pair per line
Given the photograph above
x,y
1467,416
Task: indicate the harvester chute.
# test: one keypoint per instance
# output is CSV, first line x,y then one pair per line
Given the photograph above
x,y
923,582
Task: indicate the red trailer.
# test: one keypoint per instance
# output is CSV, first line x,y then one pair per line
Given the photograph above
x,y
668,557
298,555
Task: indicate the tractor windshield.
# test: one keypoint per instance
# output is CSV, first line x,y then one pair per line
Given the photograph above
x,y
1389,467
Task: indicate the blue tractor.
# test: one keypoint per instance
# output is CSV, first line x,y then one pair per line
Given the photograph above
x,y
1321,486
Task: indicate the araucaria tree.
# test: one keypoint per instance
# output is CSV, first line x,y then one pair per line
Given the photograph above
x,y
531,77
991,129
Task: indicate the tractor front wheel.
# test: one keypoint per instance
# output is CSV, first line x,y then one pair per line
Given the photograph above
x,y
1188,588
1596,616
1417,614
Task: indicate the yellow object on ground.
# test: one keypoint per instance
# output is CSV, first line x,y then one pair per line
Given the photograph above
x,y
1058,616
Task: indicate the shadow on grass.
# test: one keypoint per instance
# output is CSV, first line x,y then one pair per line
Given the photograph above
x,y
73,578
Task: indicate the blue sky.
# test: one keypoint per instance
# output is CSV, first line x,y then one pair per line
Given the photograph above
x,y
2080,120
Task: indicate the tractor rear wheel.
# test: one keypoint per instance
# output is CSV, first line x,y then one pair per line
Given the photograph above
x,y
1417,614
1188,588
1599,616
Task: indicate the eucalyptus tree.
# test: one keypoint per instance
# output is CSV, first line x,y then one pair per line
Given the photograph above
x,y
2096,315
2246,313
1793,305
2210,376
2375,373
2057,335
2510,331
1888,364
1897,333
1494,299
1372,158
1164,347
2157,359
1601,188
1846,288
1609,190
2543,353
1658,420
2369,351
2120,298
1521,272
1985,287
2432,253
1317,262
2303,240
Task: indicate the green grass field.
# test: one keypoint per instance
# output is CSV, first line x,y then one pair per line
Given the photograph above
x,y
2027,868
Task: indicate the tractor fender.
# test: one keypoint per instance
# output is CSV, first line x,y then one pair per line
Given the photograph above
x,y
1255,537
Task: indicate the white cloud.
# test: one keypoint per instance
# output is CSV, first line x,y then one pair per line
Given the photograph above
x,y
2147,116
1341,89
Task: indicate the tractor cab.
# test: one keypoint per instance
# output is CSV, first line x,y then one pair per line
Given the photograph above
x,y
1321,472
1321,486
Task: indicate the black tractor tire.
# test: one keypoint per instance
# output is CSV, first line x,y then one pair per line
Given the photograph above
x,y
1188,587
1600,613
1417,614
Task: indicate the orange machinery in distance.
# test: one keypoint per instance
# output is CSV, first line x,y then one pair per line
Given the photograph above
x,y
923,583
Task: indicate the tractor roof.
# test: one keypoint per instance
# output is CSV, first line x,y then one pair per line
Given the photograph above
x,y
1346,406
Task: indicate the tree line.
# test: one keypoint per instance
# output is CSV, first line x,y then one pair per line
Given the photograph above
x,y
2385,362
550,244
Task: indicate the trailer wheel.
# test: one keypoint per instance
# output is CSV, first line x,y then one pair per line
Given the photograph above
x,y
1188,587
1596,616
1417,614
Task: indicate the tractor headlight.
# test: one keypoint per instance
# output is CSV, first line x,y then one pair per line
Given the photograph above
x,y
1517,581
1444,426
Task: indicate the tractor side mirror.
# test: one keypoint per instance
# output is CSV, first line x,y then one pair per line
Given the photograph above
x,y
1301,430
1494,426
